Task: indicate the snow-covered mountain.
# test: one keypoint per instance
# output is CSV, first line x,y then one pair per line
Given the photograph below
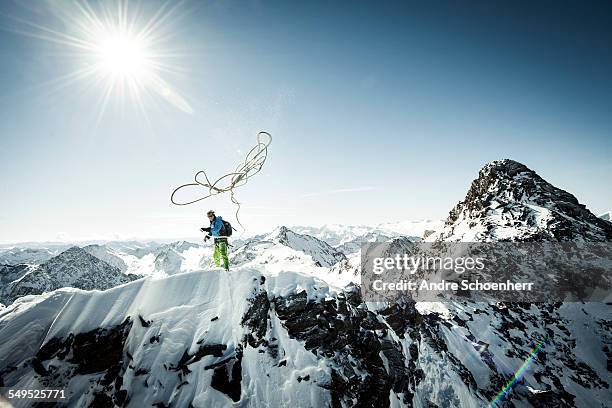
x,y
274,332
510,202
31,255
321,252
107,255
74,267
607,216
135,248
354,246
11,273
411,228
338,235
178,257
284,248
151,258
335,234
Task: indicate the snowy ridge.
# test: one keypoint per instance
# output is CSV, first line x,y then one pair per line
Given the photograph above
x,y
144,259
151,348
334,234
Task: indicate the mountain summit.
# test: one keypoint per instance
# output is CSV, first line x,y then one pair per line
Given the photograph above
x,y
284,247
510,202
321,252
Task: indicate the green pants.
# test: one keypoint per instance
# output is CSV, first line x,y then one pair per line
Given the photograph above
x,y
221,253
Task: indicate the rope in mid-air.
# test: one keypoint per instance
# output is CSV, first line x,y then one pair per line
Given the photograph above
x,y
251,165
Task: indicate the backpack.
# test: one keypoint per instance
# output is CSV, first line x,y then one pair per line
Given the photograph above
x,y
226,230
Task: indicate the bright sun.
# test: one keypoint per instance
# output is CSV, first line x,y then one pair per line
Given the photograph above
x,y
119,51
123,55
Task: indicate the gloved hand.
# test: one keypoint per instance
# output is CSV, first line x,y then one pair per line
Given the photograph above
x,y
203,229
207,237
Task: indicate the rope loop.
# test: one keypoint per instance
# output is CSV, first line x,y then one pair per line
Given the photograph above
x,y
252,164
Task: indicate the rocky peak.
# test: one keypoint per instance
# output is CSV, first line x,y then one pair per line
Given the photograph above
x,y
509,201
281,235
180,246
321,252
70,255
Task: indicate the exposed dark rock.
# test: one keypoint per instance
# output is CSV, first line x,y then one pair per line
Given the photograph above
x,y
97,351
400,316
227,377
342,332
141,371
143,322
256,319
101,400
121,397
204,350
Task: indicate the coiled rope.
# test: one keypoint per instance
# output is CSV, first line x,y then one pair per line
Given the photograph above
x,y
251,165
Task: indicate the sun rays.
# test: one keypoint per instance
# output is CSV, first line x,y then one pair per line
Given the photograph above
x,y
122,53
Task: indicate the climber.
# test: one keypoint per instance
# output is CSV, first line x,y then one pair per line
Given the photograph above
x,y
219,230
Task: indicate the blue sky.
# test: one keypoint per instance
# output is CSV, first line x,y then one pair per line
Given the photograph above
x,y
379,112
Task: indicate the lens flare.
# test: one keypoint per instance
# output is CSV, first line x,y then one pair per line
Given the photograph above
x,y
518,373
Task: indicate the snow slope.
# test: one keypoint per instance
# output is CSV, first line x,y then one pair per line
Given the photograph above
x,y
181,314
